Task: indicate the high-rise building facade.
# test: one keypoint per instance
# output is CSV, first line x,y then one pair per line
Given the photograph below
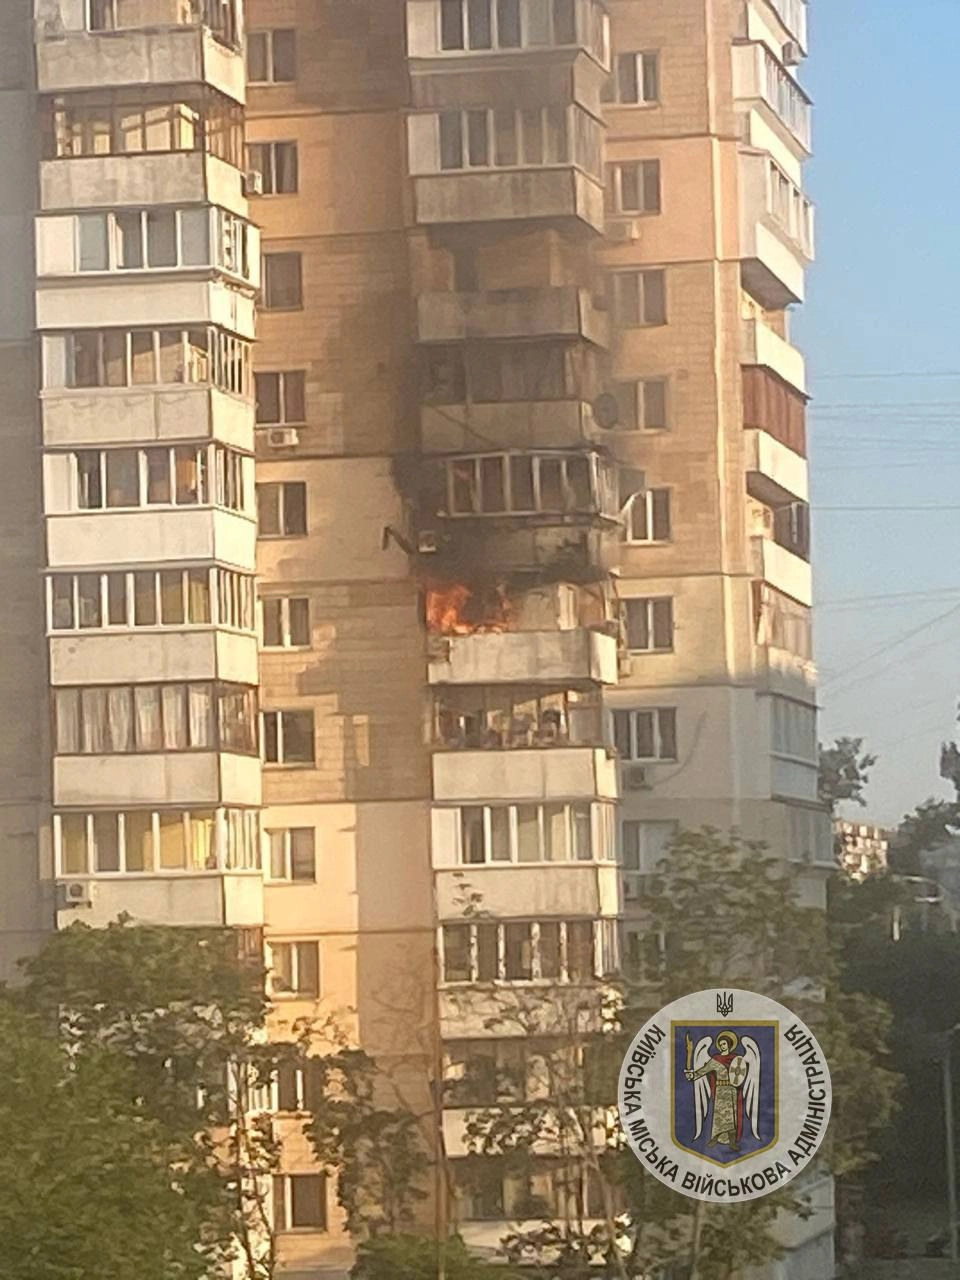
x,y
410,634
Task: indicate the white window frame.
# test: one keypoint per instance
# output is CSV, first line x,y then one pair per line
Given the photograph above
x,y
642,505
601,846
634,713
790,208
224,363
635,391
600,478
641,58
286,1227
286,635
268,150
615,183
280,761
265,304
580,39
231,855
536,959
282,375
490,165
296,992
649,854
285,835
649,602
267,34
281,486
219,469
635,280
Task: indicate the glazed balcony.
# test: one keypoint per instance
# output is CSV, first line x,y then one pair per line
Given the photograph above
x,y
776,233
563,311
761,346
575,772
190,777
783,570
762,83
478,29
524,657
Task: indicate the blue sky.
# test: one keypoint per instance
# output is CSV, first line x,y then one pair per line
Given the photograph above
x,y
884,297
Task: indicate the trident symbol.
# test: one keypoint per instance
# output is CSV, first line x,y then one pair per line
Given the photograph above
x,y
724,1003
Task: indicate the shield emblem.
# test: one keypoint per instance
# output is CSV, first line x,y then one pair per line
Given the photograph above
x,y
725,1087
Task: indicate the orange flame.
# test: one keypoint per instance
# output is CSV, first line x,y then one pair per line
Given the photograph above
x,y
454,609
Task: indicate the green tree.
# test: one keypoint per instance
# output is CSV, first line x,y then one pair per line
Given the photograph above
x,y
88,1184
931,824
844,772
412,1257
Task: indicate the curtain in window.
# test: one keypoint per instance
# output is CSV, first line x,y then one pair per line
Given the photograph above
x,y
68,721
94,720
120,719
200,698
174,717
147,713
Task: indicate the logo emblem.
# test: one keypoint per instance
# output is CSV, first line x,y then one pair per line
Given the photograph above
x,y
724,1109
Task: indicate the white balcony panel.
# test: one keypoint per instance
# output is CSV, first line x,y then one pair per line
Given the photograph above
x,y
761,83
783,570
775,474
793,779
477,1011
173,778
789,15
773,260
569,773
138,415
157,54
552,890
174,177
189,901
81,304
760,345
525,657
150,536
758,135
124,657
531,424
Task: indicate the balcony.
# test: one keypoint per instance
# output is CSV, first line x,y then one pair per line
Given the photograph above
x,y
189,778
761,346
782,570
577,656
762,83
155,54
775,474
536,774
525,424
563,311
507,30
140,415
120,538
203,900
776,233
172,177
546,194
793,16
88,304
469,1011
123,657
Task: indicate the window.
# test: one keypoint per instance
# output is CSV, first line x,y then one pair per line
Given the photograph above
x,y
143,598
295,968
513,24
119,719
648,734
794,729
116,15
277,164
790,207
282,509
636,79
174,476
642,405
293,854
139,120
511,137
526,483
648,516
781,622
523,951
643,847
473,718
791,528
552,832
282,282
147,357
286,622
640,297
281,397
271,56
299,1088
635,187
146,239
235,607
288,737
300,1201
649,623
141,841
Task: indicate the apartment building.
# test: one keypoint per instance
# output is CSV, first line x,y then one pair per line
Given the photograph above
x,y
404,639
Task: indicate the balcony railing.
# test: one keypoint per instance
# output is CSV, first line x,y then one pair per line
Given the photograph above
x,y
793,15
788,100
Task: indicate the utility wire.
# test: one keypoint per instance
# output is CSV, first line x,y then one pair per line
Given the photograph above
x,y
886,648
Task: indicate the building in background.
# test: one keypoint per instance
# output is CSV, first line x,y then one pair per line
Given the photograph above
x,y
518,461
862,848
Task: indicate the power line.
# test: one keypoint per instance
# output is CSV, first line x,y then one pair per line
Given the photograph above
x,y
886,648
906,507
888,373
889,595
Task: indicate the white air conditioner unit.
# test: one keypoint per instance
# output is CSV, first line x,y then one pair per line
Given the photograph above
x,y
622,230
792,54
75,893
253,183
635,778
283,437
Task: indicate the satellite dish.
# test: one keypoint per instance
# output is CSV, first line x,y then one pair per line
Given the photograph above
x,y
606,411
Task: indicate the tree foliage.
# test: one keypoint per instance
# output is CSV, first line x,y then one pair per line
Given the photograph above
x,y
412,1257
844,772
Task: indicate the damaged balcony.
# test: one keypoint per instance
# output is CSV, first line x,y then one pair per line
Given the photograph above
x,y
554,634
563,311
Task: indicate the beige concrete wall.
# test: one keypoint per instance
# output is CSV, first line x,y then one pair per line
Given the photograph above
x,y
26,909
